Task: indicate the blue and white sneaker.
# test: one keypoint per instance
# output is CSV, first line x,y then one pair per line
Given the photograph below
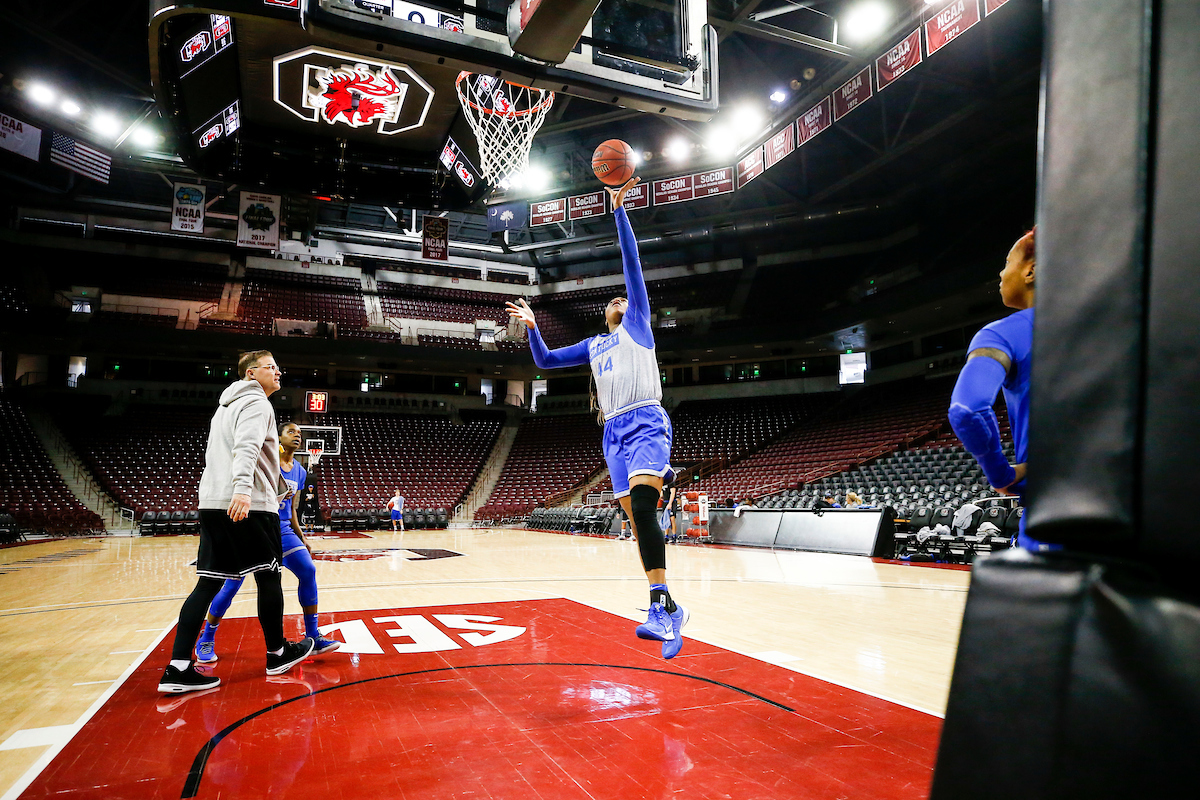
x,y
658,625
206,652
325,646
672,646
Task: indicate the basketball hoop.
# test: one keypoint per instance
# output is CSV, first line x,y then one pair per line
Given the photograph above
x,y
505,116
314,454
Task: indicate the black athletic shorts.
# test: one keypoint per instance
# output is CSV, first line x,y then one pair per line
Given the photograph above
x,y
231,549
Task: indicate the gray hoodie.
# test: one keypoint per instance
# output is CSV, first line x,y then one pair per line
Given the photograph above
x,y
243,451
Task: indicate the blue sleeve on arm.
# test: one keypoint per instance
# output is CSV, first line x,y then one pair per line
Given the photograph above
x,y
637,318
570,356
973,420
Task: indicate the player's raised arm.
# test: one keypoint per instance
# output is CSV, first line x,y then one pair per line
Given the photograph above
x,y
637,316
570,356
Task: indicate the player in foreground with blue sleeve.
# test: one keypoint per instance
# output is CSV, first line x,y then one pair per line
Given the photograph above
x,y
297,557
637,431
999,357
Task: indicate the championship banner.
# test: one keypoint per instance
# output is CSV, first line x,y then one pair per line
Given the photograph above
x,y
813,121
548,212
750,167
258,220
899,60
852,94
674,190
992,5
948,24
636,197
187,208
583,206
435,238
713,182
20,137
779,146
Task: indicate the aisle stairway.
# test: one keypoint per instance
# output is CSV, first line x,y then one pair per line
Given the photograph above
x,y
74,473
489,475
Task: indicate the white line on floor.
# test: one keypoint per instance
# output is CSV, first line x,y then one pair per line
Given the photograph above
x,y
92,683
38,737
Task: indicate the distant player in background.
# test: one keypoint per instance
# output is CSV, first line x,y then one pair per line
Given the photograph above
x,y
670,509
1000,357
637,431
310,506
297,557
396,506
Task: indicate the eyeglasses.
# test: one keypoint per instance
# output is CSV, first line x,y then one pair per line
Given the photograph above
x,y
270,367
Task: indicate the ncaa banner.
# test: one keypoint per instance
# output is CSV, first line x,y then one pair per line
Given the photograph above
x,y
993,5
435,238
20,137
899,60
851,94
187,208
948,24
258,220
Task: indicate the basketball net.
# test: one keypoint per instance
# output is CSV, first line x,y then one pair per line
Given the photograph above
x,y
505,116
314,455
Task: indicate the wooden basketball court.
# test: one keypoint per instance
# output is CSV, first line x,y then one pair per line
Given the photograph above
x,y
486,663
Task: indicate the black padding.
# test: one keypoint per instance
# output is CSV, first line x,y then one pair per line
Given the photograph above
x,y
1171,466
1092,205
643,503
1073,679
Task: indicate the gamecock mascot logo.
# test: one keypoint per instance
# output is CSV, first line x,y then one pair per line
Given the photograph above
x,y
357,96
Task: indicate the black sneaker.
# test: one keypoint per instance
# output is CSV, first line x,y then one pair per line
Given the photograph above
x,y
178,681
293,653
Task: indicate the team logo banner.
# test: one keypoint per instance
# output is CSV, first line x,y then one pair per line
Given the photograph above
x,y
951,22
343,89
435,238
899,60
852,94
258,220
20,137
187,208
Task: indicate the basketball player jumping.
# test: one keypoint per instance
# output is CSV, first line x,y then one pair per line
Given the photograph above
x,y
637,431
297,557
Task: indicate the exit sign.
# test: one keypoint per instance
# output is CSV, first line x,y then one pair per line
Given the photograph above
x,y
316,402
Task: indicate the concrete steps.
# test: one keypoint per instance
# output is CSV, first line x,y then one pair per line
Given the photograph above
x,y
489,475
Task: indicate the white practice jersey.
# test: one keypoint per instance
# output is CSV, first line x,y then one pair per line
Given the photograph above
x,y
626,373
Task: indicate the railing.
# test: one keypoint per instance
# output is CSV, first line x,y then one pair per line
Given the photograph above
x,y
566,493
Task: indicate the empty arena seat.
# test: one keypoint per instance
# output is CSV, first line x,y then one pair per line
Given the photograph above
x,y
922,517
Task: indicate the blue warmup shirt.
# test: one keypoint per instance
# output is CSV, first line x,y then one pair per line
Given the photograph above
x,y
295,479
623,362
971,413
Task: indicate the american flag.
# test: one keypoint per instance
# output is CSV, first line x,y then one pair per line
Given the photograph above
x,y
78,157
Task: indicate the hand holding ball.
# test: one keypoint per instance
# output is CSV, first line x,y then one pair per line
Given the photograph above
x,y
613,162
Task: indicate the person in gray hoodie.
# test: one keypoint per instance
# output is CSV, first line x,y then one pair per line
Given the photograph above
x,y
239,522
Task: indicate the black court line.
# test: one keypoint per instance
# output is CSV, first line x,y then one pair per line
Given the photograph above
x,y
192,786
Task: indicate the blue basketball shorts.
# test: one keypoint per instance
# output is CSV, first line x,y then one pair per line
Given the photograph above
x,y
396,514
637,442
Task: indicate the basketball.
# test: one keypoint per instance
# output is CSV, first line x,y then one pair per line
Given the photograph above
x,y
613,162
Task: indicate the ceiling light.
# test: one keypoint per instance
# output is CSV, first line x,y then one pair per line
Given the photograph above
x,y
145,136
41,94
866,21
537,179
69,107
106,125
677,150
747,121
778,96
721,141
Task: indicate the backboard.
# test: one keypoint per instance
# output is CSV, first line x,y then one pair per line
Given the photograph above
x,y
357,99
329,438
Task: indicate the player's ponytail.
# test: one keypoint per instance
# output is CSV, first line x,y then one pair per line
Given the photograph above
x,y
594,401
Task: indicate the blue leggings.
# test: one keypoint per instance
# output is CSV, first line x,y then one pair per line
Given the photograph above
x,y
301,565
